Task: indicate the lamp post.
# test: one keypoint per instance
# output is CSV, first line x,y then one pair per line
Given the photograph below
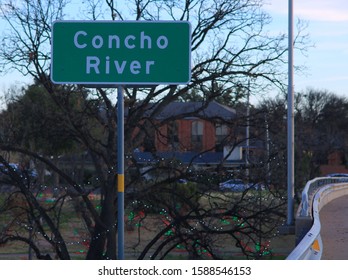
x,y
290,121
247,135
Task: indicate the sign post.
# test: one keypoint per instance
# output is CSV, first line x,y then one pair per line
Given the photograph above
x,y
118,53
120,172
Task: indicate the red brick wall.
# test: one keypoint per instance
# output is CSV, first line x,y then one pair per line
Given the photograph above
x,y
161,141
335,158
184,134
209,139
335,164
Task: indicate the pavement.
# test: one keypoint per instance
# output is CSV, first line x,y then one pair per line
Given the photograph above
x,y
334,229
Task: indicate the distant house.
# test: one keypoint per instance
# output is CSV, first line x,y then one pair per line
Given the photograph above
x,y
336,163
193,133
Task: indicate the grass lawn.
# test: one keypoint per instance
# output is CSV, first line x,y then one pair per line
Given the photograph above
x,y
76,236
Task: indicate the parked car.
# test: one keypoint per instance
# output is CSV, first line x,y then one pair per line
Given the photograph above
x,y
182,181
4,170
5,174
337,175
238,185
234,185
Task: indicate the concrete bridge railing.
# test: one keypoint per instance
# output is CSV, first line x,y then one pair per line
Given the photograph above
x,y
316,194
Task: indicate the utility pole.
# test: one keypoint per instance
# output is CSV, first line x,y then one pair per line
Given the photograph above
x,y
290,121
247,135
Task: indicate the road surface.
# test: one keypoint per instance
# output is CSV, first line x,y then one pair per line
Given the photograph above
x,y
334,229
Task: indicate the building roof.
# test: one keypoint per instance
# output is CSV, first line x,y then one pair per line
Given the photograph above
x,y
190,110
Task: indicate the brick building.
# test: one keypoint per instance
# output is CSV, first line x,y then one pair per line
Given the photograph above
x,y
335,164
191,132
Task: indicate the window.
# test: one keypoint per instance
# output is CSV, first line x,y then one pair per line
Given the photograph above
x,y
173,139
149,140
197,135
221,133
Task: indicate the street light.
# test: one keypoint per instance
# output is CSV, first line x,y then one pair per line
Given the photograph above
x,y
290,120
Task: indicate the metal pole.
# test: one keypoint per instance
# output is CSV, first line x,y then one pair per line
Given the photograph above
x,y
290,121
120,172
268,171
247,134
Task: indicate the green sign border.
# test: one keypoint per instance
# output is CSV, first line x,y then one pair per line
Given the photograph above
x,y
65,55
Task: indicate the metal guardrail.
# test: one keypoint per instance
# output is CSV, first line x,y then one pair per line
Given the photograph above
x,y
311,188
313,196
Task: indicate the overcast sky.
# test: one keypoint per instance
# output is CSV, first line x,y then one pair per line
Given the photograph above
x,y
328,29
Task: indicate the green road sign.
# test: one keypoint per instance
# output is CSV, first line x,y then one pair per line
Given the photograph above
x,y
121,52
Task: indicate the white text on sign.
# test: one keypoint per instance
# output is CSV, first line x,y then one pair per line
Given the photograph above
x,y
96,65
